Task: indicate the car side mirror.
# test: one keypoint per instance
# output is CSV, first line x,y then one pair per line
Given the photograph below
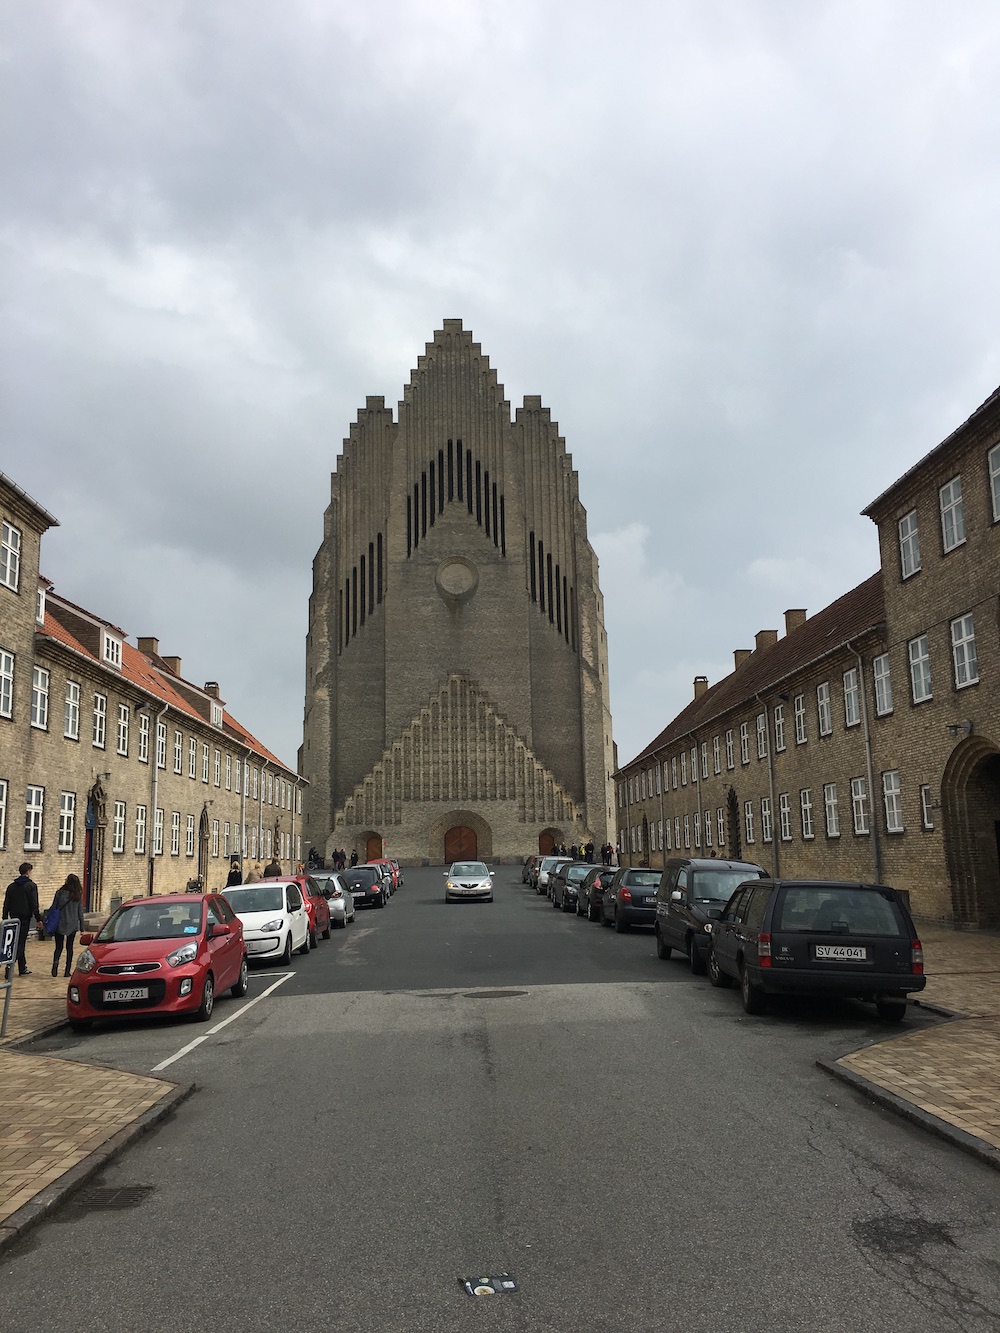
x,y
87,938
219,928
713,912
676,896
492,873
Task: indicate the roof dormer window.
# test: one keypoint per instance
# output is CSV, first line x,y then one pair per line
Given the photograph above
x,y
40,605
216,715
111,650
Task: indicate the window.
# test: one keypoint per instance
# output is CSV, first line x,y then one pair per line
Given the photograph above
x,y
779,727
67,820
642,785
217,715
118,828
670,844
909,545
204,762
255,785
123,719
34,809
143,738
630,787
993,459
730,758
748,820
963,652
161,745
952,515
704,759
785,816
175,833
859,804
40,605
298,802
766,827
677,832
673,772
158,831
926,808
744,742
10,556
140,830
192,758
218,768
215,837
111,649
189,837
658,790
100,720
708,828
920,669
178,751
716,755
71,716
761,735
229,772
830,810
687,831
3,812
806,808
893,802
6,683
697,828
800,719
883,685
852,698
694,763
684,769
40,698
721,826
823,710
270,792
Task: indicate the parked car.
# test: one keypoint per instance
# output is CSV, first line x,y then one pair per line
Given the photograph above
x,y
588,894
692,891
391,871
316,906
545,867
338,897
171,954
630,898
530,864
399,871
566,881
817,938
366,886
468,879
275,918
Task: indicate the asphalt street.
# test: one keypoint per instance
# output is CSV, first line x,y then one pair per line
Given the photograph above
x,y
449,1092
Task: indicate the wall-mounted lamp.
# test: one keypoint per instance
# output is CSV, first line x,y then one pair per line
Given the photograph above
x,y
960,728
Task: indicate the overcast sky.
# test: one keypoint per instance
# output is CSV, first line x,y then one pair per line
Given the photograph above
x,y
746,251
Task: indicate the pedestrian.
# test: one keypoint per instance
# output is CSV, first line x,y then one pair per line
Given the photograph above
x,y
273,869
21,901
235,874
354,858
253,875
69,900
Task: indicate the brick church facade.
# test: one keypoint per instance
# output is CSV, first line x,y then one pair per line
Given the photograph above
x,y
456,660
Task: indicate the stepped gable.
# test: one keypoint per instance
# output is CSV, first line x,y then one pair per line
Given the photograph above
x,y
458,750
441,374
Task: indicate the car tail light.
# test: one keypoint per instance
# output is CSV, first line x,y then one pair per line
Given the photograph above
x,y
764,950
916,958
626,895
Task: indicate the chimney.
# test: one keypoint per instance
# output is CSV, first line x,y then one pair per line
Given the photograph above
x,y
700,686
151,647
793,619
765,638
740,655
173,664
212,688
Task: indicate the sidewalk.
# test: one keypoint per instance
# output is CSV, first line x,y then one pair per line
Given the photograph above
x,y
61,1121
945,1078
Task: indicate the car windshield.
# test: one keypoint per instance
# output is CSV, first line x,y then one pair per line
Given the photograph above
x,y
643,879
363,875
822,909
717,885
578,872
469,870
152,920
256,898
549,861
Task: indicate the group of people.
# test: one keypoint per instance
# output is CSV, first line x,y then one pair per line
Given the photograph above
x,y
272,870
21,903
340,858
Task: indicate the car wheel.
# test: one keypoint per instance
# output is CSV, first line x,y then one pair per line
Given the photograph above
x,y
242,983
554,903
593,913
754,999
715,973
604,920
207,1000
341,925
313,941
81,1024
696,959
381,899
891,1009
621,925
304,946
662,950
286,957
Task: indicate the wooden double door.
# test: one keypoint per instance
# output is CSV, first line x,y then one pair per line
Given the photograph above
x,y
461,844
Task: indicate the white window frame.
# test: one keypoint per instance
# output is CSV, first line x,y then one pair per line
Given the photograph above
x,y
716,755
748,822
744,742
118,827
71,711
720,827
124,717
216,715
3,813
111,650
761,735
100,728
217,768
658,788
730,753
766,826
189,836
229,772
806,814
708,828
642,785
175,833
779,728
919,655
993,466
158,831
204,760
963,652
140,830
831,812
178,751
687,830
10,555
225,837
952,514
882,679
677,832
215,837
7,664
799,710
704,759
697,828
684,768
926,808
824,709
34,817
670,844
40,698
859,806
673,772
785,816
909,545
161,745
892,796
67,820
852,698
193,758
143,755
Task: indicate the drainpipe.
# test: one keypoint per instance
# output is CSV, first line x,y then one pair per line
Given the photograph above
x,y
155,796
869,768
260,813
245,776
770,780
696,777
661,784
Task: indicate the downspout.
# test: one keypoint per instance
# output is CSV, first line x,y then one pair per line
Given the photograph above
x,y
696,775
260,812
245,775
869,768
770,781
155,797
661,783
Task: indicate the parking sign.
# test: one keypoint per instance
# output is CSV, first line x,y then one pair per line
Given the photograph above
x,y
9,931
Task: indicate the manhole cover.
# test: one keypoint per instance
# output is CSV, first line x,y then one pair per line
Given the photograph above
x,y
105,1199
492,994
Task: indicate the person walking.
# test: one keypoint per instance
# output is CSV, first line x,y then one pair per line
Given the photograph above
x,y
253,874
69,900
21,901
354,858
235,875
272,870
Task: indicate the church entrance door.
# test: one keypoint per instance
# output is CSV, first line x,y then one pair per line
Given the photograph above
x,y
545,844
461,844
373,848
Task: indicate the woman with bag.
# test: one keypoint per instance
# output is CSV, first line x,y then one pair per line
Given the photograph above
x,y
63,919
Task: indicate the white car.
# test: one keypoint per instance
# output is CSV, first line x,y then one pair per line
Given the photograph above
x,y
468,879
274,916
337,895
545,868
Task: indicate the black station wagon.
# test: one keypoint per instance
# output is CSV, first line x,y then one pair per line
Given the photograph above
x,y
693,890
813,937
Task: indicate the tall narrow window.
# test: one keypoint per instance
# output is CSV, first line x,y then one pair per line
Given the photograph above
x,y
993,459
799,707
883,685
178,751
71,719
123,721
859,804
34,811
761,735
926,808
67,820
100,731
852,698
952,514
10,556
823,710
7,687
963,651
909,544
766,826
920,668
806,808
892,796
140,830
143,738
830,810
40,698
118,828
785,816
779,727
748,820
730,761
744,742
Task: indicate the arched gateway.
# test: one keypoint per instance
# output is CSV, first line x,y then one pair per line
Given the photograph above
x,y
461,844
970,801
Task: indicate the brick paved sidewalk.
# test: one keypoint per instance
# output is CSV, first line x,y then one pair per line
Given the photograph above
x,y
60,1120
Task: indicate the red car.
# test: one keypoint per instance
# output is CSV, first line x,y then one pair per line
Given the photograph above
x,y
170,954
317,908
389,867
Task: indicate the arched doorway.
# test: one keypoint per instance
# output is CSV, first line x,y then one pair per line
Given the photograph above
x,y
733,815
203,848
548,840
970,806
461,844
373,847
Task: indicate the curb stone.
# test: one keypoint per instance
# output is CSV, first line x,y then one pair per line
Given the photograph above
x,y
38,1209
959,1138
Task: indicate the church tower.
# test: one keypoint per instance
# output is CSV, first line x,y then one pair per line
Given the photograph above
x,y
456,662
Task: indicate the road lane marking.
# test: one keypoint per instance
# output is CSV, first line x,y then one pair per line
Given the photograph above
x,y
185,1050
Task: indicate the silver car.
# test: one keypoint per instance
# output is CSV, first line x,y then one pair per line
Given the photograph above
x,y
337,895
545,867
468,879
